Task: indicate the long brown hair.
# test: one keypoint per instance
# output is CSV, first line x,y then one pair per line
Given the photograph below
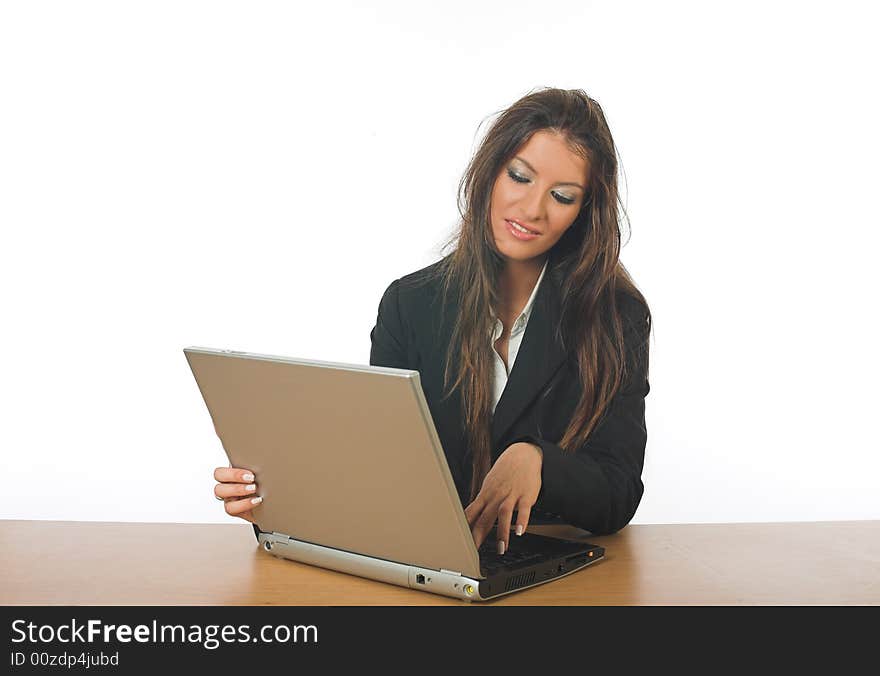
x,y
586,257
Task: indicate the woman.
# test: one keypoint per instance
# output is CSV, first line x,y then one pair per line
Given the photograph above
x,y
537,248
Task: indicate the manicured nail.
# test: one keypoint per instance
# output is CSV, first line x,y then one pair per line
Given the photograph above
x,y
519,529
257,500
501,546
252,487
248,477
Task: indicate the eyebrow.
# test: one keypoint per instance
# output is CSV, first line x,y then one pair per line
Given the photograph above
x,y
576,185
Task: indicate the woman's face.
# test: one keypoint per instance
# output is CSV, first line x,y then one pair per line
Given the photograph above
x,y
542,188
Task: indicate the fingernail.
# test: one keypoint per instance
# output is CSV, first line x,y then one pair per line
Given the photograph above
x,y
501,546
519,529
257,500
252,487
248,477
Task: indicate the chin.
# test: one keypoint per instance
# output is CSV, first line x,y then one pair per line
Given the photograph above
x,y
521,255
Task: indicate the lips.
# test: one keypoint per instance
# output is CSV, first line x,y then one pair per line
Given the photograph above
x,y
524,225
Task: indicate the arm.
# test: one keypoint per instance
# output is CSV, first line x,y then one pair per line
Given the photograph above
x,y
598,486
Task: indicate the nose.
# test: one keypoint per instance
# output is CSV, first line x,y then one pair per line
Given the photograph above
x,y
533,203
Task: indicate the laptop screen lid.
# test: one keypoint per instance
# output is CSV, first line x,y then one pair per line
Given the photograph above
x,y
346,456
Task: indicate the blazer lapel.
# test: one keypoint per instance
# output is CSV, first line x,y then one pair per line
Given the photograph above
x,y
539,357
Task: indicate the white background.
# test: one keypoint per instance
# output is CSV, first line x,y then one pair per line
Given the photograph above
x,y
191,173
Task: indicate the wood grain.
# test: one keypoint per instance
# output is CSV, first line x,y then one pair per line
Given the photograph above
x,y
98,563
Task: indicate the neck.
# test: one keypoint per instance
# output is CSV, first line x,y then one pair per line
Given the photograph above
x,y
515,285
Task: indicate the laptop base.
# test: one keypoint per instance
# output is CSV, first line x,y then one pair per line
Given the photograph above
x,y
442,582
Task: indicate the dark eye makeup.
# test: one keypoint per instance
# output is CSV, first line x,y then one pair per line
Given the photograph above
x,y
522,179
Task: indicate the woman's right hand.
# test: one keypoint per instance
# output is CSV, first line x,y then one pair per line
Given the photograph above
x,y
237,489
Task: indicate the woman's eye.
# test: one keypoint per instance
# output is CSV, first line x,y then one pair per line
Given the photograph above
x,y
562,199
522,179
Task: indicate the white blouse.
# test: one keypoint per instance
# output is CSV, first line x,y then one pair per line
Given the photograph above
x,y
516,336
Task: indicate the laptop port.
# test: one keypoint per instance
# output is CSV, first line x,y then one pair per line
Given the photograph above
x,y
420,578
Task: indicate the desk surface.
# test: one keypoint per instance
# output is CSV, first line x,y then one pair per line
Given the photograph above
x,y
97,563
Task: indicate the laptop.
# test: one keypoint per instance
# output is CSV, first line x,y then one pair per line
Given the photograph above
x,y
354,478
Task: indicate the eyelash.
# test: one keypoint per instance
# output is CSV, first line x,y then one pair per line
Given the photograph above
x,y
522,179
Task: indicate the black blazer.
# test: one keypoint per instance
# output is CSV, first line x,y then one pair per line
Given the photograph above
x,y
598,486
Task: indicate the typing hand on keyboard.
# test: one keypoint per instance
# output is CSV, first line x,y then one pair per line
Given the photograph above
x,y
517,555
512,484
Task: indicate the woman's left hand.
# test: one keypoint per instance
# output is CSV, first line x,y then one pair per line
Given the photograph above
x,y
513,483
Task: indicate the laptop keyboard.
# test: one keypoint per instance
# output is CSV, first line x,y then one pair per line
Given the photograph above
x,y
515,556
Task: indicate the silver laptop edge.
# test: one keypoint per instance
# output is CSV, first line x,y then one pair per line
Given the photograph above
x,y
443,582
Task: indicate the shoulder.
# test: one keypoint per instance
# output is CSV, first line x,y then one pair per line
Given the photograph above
x,y
426,279
633,309
411,298
417,289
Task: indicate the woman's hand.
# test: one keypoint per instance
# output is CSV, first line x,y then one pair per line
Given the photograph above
x,y
237,483
513,483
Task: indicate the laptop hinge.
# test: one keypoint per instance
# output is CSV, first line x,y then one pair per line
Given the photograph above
x,y
451,572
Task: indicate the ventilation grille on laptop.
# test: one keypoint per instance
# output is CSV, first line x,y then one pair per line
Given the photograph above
x,y
519,581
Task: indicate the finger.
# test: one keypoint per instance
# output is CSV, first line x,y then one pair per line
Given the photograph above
x,y
242,507
484,524
234,474
247,516
478,536
473,510
472,513
234,490
505,514
523,511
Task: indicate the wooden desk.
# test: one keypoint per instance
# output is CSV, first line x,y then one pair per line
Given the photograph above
x,y
92,563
